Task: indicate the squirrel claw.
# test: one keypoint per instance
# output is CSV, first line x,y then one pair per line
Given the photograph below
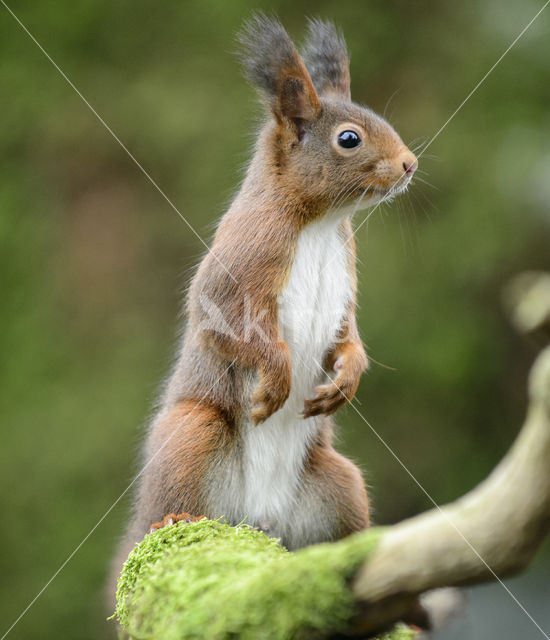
x,y
265,404
328,399
172,518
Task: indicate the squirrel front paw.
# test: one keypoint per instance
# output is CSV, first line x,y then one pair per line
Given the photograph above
x,y
268,398
328,399
172,518
331,396
274,386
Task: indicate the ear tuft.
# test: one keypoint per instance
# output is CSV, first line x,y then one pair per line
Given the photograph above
x,y
265,47
327,59
273,64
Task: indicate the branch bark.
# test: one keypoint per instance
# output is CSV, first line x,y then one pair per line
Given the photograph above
x,y
489,533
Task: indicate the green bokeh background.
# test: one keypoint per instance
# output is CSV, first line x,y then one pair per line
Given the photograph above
x,y
93,260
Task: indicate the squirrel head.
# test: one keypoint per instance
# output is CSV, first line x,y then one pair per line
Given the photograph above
x,y
317,142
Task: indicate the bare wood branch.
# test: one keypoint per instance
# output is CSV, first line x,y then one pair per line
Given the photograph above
x,y
528,300
489,533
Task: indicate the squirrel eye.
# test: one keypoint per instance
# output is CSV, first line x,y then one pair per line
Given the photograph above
x,y
348,139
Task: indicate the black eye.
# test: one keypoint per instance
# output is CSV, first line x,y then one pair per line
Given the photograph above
x,y
348,139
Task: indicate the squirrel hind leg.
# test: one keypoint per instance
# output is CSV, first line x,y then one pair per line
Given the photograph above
x,y
179,480
333,501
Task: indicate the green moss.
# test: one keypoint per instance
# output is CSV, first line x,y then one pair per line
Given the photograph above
x,y
209,581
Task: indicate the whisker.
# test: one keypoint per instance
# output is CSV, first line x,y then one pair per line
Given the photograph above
x,y
429,184
428,200
361,197
421,140
419,203
348,191
399,216
372,211
341,194
389,101
419,149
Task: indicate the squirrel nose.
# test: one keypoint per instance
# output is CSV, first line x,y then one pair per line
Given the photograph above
x,y
410,167
409,163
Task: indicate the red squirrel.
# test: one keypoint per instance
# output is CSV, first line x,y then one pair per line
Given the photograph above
x,y
244,429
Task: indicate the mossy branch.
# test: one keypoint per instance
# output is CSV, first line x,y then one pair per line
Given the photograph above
x,y
211,581
206,580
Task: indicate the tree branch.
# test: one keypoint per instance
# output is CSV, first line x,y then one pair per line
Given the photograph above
x,y
180,581
489,533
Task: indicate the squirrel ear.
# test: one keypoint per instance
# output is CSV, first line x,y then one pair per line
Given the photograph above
x,y
273,64
327,59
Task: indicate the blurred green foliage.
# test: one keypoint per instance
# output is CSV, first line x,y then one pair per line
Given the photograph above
x,y
93,259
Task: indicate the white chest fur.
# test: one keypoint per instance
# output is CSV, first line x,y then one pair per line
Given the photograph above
x,y
311,310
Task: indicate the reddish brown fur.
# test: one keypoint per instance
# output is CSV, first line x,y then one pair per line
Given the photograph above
x,y
338,482
189,440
